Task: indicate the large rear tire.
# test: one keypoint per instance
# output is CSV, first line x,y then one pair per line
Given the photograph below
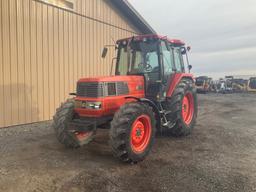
x,y
132,132
64,114
184,107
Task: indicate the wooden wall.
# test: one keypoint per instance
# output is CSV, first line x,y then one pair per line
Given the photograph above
x,y
44,50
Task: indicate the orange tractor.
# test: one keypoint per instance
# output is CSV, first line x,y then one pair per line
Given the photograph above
x,y
150,92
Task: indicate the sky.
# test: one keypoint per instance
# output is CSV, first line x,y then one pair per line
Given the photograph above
x,y
221,33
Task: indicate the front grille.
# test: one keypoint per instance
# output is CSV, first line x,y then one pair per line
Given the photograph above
x,y
90,89
101,89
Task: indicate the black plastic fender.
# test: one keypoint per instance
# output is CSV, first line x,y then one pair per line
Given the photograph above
x,y
153,105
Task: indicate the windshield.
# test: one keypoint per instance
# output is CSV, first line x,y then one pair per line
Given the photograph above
x,y
138,57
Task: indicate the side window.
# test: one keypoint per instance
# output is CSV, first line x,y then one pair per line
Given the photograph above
x,y
138,59
178,60
167,59
123,68
152,60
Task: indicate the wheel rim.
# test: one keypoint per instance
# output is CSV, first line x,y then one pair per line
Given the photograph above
x,y
83,135
141,133
188,108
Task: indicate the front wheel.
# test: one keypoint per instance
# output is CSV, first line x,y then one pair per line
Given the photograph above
x,y
65,114
132,132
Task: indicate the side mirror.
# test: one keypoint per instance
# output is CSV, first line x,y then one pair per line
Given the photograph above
x,y
190,67
104,52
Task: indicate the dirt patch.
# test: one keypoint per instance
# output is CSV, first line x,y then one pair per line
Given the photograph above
x,y
220,155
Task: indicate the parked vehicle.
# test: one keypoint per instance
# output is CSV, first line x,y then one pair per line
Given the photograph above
x,y
239,85
252,84
203,84
223,87
150,92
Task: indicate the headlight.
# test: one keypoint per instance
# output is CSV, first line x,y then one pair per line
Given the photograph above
x,y
88,104
93,105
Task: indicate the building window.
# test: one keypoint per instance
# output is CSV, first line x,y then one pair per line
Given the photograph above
x,y
65,4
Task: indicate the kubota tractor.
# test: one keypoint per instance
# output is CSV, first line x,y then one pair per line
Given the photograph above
x,y
150,92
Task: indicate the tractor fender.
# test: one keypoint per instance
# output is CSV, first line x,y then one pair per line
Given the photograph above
x,y
151,104
174,81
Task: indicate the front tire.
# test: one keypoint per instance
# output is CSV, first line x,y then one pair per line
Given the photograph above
x,y
64,114
132,132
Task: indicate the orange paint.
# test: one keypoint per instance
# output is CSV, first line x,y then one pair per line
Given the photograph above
x,y
111,104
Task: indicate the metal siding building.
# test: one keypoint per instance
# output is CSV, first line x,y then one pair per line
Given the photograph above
x,y
45,49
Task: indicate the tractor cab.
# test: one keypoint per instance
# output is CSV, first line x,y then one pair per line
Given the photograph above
x,y
154,57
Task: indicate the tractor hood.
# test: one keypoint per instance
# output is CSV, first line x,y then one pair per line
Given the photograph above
x,y
99,87
127,78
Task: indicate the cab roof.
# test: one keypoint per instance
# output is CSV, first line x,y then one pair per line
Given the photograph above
x,y
155,36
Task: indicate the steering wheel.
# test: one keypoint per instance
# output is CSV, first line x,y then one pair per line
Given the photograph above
x,y
147,67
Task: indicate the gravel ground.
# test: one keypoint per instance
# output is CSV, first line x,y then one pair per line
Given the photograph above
x,y
220,155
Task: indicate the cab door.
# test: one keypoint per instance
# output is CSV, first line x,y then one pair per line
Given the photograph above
x,y
168,66
167,61
178,70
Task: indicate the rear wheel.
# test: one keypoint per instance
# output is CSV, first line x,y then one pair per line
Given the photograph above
x,y
132,132
183,105
61,119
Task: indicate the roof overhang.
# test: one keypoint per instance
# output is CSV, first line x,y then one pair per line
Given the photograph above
x,y
133,16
